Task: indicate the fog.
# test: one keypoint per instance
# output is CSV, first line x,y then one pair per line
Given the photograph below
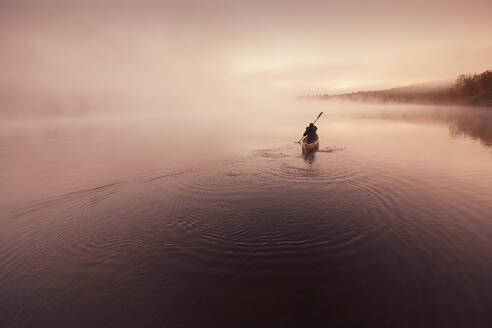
x,y
150,175
104,57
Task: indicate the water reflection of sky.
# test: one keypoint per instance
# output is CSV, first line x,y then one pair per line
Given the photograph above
x,y
475,123
234,213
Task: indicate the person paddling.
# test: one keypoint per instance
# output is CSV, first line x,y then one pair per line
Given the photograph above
x,y
311,133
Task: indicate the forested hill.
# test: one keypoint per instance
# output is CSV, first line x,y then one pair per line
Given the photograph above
x,y
469,89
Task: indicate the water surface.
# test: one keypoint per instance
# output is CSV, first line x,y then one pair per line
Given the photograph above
x,y
128,221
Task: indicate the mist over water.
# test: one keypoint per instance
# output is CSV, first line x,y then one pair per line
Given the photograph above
x,y
178,218
149,175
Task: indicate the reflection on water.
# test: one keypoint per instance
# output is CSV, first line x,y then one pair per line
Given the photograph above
x,y
469,121
309,154
476,125
120,224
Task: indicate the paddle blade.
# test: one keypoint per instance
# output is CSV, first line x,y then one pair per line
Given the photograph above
x,y
318,117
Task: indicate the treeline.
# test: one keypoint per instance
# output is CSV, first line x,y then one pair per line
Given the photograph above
x,y
469,89
476,88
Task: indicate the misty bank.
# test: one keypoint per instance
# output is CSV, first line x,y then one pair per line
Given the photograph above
x,y
469,89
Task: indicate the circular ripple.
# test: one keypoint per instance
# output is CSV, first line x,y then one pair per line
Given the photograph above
x,y
262,209
334,166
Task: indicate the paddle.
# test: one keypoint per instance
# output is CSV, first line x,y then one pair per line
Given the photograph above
x,y
313,123
318,117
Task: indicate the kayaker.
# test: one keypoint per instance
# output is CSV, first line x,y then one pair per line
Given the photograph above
x,y
311,133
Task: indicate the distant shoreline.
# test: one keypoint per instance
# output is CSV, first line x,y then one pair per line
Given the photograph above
x,y
469,89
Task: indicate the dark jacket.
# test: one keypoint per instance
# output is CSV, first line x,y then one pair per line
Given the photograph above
x,y
311,133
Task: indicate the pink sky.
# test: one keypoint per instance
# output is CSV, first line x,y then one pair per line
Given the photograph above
x,y
169,49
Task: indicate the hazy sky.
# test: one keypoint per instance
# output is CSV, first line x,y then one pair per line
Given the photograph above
x,y
173,50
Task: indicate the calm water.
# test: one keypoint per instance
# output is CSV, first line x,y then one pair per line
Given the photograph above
x,y
132,222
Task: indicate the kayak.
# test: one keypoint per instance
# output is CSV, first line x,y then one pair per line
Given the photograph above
x,y
309,146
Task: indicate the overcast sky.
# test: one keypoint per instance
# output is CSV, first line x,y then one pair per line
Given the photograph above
x,y
170,49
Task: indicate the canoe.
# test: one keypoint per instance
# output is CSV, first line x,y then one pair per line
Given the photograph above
x,y
309,146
